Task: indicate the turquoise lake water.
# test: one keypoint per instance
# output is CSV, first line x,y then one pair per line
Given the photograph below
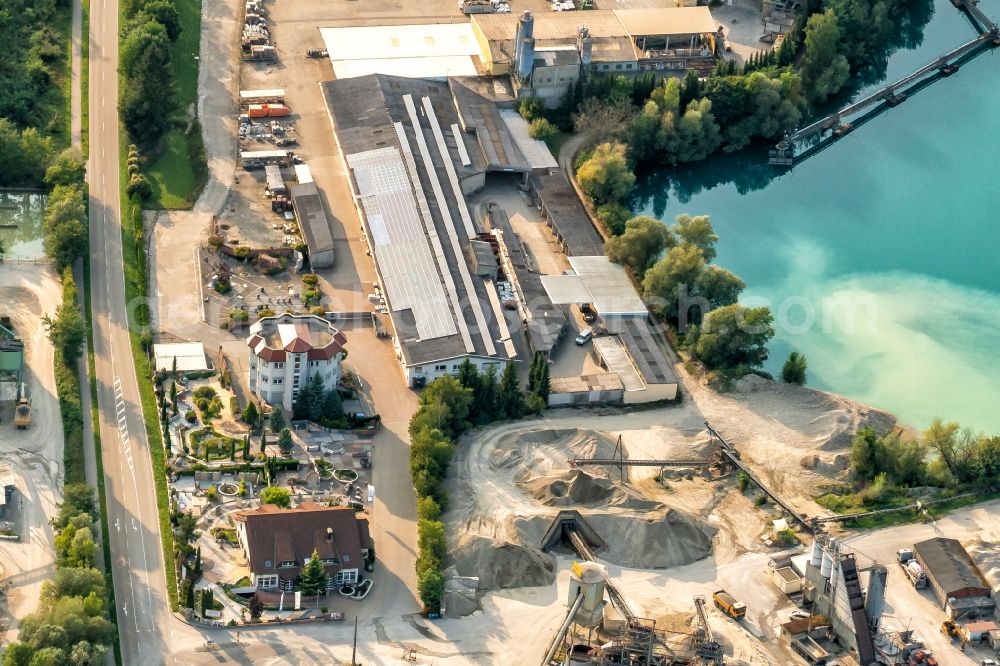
x,y
879,256
21,224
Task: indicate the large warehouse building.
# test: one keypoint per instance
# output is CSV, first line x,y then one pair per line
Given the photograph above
x,y
956,581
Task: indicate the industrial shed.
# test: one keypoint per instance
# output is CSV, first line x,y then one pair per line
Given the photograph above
x,y
313,224
956,581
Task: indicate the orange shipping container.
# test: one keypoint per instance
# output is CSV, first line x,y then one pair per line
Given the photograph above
x,y
257,110
277,110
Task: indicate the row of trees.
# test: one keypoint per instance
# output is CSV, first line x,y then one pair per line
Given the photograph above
x,y
149,94
448,407
71,625
944,456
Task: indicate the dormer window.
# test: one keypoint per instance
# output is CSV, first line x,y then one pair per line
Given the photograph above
x,y
287,563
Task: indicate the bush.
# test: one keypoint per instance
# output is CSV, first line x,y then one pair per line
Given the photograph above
x,y
216,241
542,130
241,252
139,186
281,497
310,279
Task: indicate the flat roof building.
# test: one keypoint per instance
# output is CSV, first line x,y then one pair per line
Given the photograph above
x,y
435,50
188,356
954,578
314,224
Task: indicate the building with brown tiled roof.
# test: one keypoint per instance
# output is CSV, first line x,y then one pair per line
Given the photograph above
x,y
287,350
278,542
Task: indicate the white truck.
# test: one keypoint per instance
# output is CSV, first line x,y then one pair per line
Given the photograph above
x,y
914,572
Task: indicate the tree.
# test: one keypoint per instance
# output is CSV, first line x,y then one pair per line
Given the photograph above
x,y
718,287
67,331
509,397
263,442
945,438
312,578
734,336
484,396
606,176
173,394
148,98
250,415
427,509
78,582
188,594
276,495
467,375
165,13
542,130
430,587
333,406
276,421
450,392
825,70
534,404
67,169
256,608
668,285
696,230
246,448
613,216
232,450
794,369
543,387
640,244
285,441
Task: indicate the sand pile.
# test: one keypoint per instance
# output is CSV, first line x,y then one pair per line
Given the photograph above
x,y
986,555
668,539
577,488
501,564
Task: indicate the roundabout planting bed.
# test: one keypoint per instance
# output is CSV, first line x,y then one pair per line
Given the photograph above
x,y
345,475
229,489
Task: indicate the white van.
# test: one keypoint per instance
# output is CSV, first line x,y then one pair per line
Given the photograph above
x,y
585,336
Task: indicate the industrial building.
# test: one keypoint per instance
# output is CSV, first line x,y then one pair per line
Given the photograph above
x,y
547,53
954,578
313,224
412,157
833,585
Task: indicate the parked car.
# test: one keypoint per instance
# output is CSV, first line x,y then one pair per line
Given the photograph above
x,y
799,615
588,312
585,336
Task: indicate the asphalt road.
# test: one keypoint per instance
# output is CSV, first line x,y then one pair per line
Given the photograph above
x,y
137,563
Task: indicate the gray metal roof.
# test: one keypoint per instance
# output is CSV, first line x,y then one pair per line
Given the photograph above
x,y
571,223
407,122
312,218
949,564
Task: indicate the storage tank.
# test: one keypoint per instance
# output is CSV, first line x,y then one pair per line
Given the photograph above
x,y
875,595
526,58
817,553
826,564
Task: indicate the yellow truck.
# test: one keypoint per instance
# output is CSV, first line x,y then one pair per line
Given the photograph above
x,y
728,605
22,412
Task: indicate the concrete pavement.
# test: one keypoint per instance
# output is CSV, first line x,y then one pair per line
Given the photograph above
x,y
137,562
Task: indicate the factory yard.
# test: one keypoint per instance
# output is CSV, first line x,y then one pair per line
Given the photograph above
x,y
31,459
689,534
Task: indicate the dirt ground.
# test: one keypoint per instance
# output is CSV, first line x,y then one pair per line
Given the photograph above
x,y
35,454
509,481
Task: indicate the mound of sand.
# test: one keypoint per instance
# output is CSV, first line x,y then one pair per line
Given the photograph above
x,y
666,540
986,555
576,487
501,565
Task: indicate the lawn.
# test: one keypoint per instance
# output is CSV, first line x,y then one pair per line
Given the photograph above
x,y
171,174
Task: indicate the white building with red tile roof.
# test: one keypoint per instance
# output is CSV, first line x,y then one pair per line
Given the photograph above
x,y
287,350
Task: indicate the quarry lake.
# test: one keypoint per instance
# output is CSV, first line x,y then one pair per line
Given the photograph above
x,y
879,255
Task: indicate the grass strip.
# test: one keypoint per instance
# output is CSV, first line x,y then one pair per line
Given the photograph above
x,y
136,271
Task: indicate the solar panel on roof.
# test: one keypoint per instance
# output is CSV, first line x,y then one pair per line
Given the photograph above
x,y
401,250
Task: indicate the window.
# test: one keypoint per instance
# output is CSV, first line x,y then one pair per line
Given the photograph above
x,y
347,558
278,381
348,577
455,367
331,560
618,66
267,582
606,67
279,364
440,367
286,563
628,65
264,379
